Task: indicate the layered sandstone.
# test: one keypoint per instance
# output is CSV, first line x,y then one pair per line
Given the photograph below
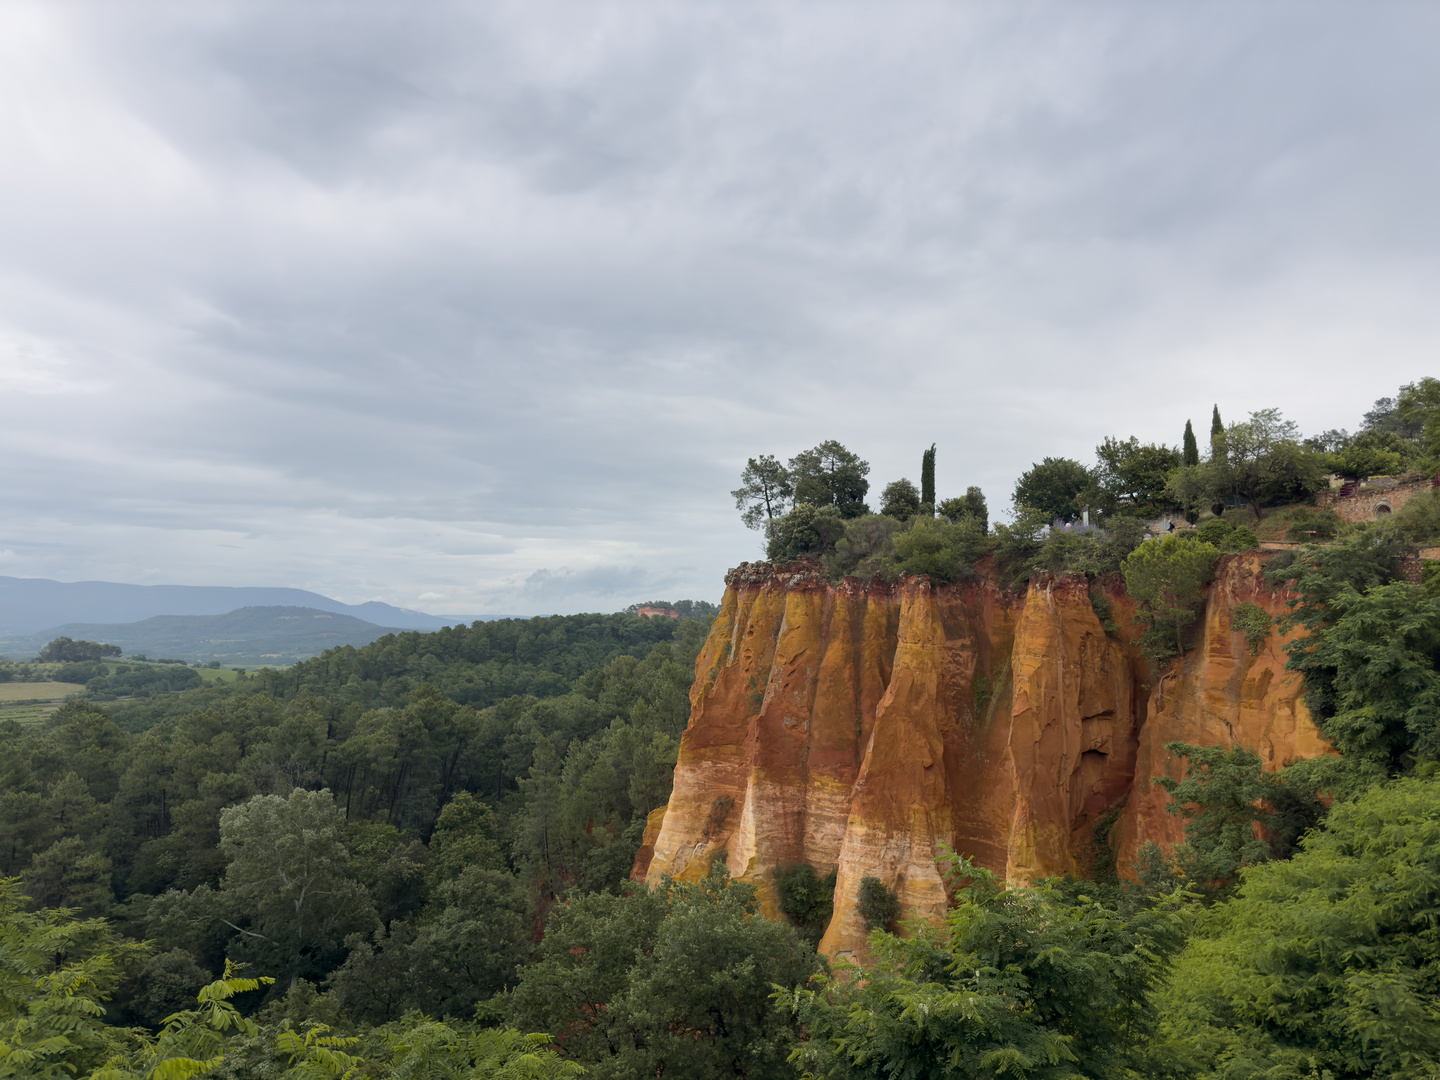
x,y
1223,694
863,725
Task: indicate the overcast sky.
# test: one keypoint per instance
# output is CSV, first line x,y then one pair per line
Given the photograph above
x,y
481,308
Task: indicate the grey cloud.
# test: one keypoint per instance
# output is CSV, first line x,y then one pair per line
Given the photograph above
x,y
387,301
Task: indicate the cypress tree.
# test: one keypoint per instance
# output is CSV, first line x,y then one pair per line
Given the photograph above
x,y
1218,455
927,479
1191,454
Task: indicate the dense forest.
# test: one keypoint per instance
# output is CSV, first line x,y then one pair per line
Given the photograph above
x,y
411,859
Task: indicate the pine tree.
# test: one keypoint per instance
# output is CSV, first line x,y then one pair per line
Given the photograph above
x,y
1217,436
1191,453
927,478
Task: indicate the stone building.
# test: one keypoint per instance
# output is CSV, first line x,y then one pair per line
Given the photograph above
x,y
1370,500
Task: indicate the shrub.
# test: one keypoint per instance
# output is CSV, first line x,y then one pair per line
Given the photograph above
x,y
1214,531
1308,523
866,549
945,552
806,530
879,906
1241,539
1253,622
900,500
807,899
1418,521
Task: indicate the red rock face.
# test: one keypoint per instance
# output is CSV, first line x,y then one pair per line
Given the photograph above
x,y
862,726
1221,694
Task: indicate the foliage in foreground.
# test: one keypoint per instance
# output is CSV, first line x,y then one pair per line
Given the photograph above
x,y
1325,965
671,981
1027,983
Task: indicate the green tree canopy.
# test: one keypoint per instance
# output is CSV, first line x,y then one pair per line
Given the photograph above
x,y
764,493
830,475
1236,814
1265,464
1134,473
288,892
1325,965
1419,405
1167,577
900,500
1050,487
1031,983
672,981
927,478
63,650
1190,451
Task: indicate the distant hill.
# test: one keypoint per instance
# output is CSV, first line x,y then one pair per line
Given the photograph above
x,y
30,605
249,635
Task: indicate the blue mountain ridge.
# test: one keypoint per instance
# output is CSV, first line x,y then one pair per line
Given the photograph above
x,y
29,605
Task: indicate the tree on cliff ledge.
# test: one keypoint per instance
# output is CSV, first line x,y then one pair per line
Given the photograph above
x,y
927,478
830,475
1190,454
1167,577
1051,486
764,492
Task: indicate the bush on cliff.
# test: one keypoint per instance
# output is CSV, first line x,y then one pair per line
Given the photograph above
x,y
1418,521
971,504
807,530
1236,814
878,904
1370,657
866,550
806,898
943,551
1240,538
1166,577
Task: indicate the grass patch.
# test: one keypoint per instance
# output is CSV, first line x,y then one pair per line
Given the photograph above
x,y
11,692
31,702
1276,523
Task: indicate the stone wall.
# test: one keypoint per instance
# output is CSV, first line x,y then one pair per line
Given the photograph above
x,y
1376,498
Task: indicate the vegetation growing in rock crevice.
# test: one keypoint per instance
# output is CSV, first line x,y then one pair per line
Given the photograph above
x,y
806,898
879,905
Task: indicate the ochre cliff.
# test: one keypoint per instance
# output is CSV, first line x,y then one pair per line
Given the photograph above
x,y
861,725
1222,695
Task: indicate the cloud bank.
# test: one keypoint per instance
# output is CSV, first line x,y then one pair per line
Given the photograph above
x,y
488,304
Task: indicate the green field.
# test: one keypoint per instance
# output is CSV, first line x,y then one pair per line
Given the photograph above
x,y
30,702
213,675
